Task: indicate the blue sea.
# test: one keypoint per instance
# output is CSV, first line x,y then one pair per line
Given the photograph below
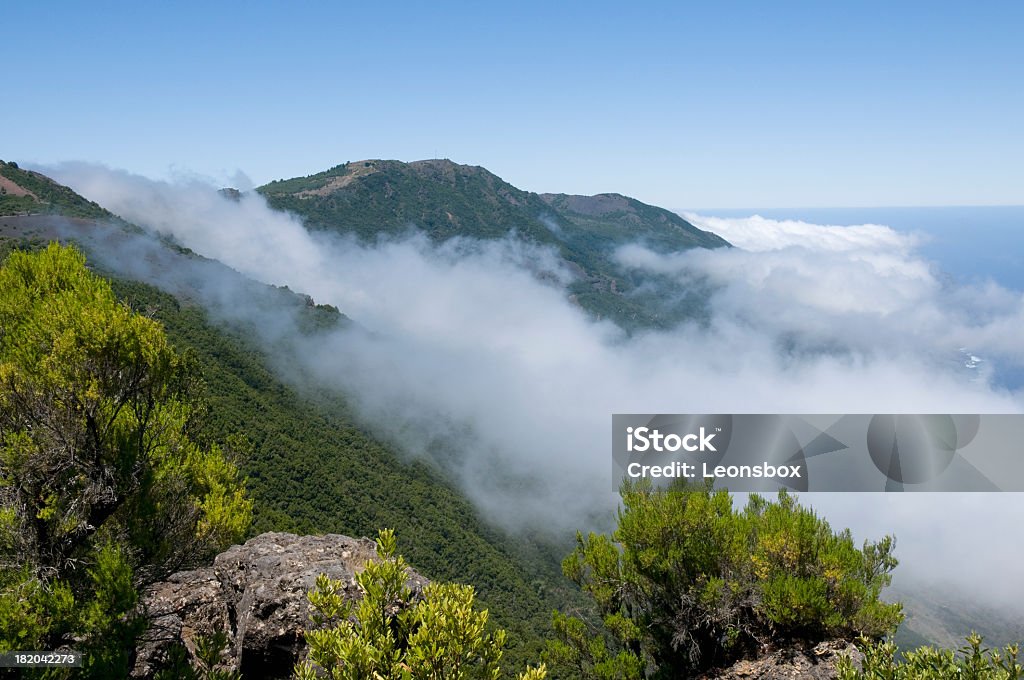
x,y
969,243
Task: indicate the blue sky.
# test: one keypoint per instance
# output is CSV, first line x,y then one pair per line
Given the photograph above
x,y
687,105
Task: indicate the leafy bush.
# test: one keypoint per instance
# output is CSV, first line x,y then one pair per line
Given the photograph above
x,y
687,582
386,635
974,662
103,486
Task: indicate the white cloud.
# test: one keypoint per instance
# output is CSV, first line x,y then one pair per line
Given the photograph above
x,y
759,234
860,288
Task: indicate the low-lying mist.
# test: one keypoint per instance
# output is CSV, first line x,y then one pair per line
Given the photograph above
x,y
461,352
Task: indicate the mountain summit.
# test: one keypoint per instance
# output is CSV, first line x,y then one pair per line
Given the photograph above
x,y
443,200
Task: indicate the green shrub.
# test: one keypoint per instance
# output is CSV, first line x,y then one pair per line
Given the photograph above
x,y
687,582
387,635
103,485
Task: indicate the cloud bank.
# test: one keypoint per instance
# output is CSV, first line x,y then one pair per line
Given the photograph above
x,y
463,353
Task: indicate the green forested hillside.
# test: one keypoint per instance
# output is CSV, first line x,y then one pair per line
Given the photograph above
x,y
444,199
31,192
311,470
608,220
942,614
441,198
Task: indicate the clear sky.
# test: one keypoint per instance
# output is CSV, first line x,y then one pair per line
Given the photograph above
x,y
686,105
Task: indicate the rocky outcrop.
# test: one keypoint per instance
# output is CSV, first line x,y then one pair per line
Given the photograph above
x,y
256,594
812,663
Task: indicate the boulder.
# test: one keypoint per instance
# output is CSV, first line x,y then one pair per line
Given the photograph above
x,y
256,594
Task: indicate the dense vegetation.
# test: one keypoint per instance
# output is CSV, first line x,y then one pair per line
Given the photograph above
x,y
687,583
442,199
390,635
49,196
104,485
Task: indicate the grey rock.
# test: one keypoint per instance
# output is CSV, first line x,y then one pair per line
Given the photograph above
x,y
256,594
813,663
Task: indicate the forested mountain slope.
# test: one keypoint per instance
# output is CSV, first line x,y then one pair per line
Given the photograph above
x,y
310,468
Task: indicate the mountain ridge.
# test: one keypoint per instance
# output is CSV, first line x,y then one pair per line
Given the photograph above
x,y
27,192
341,177
444,200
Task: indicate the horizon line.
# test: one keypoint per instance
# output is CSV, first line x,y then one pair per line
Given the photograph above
x,y
855,207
